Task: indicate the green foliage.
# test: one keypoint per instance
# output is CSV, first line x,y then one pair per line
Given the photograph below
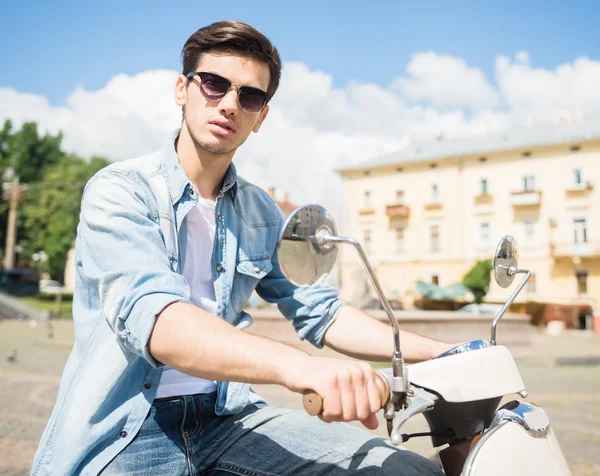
x,y
433,291
478,279
52,297
49,213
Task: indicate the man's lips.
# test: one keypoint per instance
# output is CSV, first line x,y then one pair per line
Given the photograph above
x,y
223,126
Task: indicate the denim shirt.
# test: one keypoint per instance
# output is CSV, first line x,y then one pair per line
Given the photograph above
x,y
129,258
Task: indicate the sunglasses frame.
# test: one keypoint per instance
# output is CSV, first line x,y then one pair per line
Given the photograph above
x,y
239,88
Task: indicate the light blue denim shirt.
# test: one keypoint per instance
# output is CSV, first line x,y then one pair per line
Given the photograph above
x,y
129,257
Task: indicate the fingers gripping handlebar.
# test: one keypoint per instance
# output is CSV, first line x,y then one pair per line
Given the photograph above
x,y
313,403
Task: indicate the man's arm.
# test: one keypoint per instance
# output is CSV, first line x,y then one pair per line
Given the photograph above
x,y
358,335
148,307
197,343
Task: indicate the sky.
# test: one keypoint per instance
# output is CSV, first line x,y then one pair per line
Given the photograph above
x,y
360,78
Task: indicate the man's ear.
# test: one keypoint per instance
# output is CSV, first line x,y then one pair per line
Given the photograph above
x,y
180,92
261,118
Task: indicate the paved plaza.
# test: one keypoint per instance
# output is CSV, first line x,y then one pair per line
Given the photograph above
x,y
562,375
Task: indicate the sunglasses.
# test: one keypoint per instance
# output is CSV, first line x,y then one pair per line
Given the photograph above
x,y
215,87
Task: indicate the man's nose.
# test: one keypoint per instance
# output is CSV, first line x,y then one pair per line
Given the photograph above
x,y
229,102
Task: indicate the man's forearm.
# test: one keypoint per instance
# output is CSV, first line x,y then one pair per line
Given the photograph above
x,y
359,335
197,343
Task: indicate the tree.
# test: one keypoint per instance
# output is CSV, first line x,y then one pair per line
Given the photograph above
x,y
51,211
49,214
29,154
478,279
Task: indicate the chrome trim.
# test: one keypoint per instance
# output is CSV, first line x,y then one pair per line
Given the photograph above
x,y
532,418
464,347
510,300
468,466
401,379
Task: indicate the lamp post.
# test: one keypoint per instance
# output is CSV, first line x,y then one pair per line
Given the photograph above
x,y
13,192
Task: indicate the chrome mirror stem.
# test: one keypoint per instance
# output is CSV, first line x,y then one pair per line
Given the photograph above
x,y
511,272
324,238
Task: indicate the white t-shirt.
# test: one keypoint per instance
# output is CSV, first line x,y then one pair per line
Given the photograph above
x,y
198,273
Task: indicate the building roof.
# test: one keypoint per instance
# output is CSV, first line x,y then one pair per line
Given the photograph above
x,y
519,138
285,205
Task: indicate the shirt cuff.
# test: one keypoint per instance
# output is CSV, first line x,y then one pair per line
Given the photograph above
x,y
140,322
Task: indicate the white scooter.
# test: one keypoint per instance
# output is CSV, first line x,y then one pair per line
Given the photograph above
x,y
459,391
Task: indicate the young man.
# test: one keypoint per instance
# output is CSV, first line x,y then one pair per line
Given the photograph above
x,y
169,249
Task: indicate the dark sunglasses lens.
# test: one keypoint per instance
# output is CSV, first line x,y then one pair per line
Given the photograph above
x,y
214,86
252,99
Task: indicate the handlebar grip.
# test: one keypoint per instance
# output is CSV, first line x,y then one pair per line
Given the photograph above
x,y
313,403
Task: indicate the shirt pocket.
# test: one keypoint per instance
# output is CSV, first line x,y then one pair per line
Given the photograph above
x,y
248,273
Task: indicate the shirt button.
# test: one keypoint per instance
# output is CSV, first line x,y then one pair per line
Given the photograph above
x,y
219,268
256,269
192,192
147,385
123,434
220,218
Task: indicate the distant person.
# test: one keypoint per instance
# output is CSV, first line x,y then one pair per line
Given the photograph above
x,y
169,249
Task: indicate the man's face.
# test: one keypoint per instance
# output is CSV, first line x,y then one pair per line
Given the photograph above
x,y
221,126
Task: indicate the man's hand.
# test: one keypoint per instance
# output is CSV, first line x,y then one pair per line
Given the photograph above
x,y
347,387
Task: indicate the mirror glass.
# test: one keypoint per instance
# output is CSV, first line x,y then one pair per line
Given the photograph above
x,y
301,259
507,255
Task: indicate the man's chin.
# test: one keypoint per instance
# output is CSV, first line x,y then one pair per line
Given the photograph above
x,y
216,147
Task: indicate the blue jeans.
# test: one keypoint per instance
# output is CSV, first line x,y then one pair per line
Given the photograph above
x,y
183,436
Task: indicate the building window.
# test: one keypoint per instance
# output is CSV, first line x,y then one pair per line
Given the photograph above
x,y
367,241
434,238
529,226
484,235
483,187
367,204
580,231
577,178
528,183
434,193
399,197
531,284
582,284
399,240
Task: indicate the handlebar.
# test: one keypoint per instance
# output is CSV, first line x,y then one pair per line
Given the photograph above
x,y
313,403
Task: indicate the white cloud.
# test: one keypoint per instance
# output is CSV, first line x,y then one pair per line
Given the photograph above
x,y
522,57
541,93
446,81
314,127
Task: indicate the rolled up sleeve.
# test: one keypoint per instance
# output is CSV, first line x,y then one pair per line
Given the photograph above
x,y
312,309
125,259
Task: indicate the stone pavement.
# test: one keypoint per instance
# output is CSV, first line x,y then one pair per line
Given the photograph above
x,y
562,375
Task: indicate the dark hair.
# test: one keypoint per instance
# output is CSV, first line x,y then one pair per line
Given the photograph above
x,y
233,37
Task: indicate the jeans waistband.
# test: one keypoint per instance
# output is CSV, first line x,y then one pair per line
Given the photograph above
x,y
179,397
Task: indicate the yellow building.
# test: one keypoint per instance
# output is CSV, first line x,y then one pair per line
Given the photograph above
x,y
430,211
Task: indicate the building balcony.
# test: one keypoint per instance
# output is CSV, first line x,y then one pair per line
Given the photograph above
x,y
581,190
433,206
575,250
397,210
484,199
525,198
366,211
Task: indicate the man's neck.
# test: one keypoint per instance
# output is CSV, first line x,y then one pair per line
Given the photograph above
x,y
205,169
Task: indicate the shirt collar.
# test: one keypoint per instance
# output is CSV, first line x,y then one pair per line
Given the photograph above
x,y
176,178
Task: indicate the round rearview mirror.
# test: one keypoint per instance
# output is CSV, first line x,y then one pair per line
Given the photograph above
x,y
506,261
301,259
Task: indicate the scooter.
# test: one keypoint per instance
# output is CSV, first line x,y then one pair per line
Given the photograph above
x,y
459,391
